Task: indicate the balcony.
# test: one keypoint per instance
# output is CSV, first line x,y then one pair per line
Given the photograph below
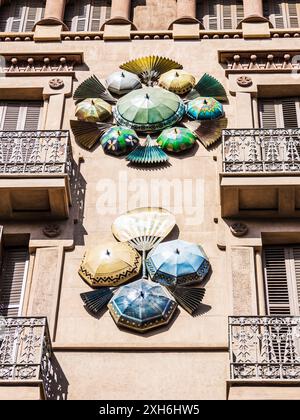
x,y
25,353
34,174
260,175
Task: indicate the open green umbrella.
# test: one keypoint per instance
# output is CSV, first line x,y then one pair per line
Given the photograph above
x,y
93,110
149,109
118,141
205,109
142,306
176,139
122,82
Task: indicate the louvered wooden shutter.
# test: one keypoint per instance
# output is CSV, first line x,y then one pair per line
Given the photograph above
x,y
292,8
17,16
101,11
34,13
213,15
240,13
279,113
82,18
227,18
12,281
282,275
290,114
20,115
267,112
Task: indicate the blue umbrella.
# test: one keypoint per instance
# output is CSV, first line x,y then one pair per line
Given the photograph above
x,y
142,306
177,263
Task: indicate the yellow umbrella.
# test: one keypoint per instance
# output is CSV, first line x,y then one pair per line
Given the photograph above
x,y
93,110
177,81
110,264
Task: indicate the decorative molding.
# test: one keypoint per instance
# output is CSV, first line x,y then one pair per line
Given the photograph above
x,y
260,61
56,84
244,81
20,64
239,229
52,231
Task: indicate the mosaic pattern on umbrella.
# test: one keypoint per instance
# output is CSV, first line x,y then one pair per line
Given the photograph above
x,y
119,141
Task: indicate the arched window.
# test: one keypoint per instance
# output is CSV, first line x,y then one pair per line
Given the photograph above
x,y
21,15
220,14
283,14
87,15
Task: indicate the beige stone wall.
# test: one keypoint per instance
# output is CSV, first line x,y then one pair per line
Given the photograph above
x,y
153,14
188,359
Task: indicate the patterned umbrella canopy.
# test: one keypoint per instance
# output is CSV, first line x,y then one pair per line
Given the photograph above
x,y
142,306
205,109
118,141
177,262
149,109
176,139
93,110
123,82
177,81
110,264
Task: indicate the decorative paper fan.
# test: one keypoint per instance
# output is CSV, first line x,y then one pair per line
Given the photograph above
x,y
93,88
208,86
144,228
208,132
149,154
150,68
87,134
94,301
189,298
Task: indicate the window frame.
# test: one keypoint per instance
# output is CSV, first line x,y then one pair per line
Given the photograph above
x,y
24,16
89,17
22,114
204,15
286,17
279,113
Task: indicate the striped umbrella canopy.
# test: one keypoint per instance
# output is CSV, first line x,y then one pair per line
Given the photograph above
x,y
177,263
93,110
149,109
110,264
118,141
176,139
205,109
142,306
177,81
123,82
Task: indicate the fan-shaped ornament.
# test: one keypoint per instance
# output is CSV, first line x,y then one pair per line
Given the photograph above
x,y
119,141
93,110
122,82
205,109
149,110
177,81
87,134
150,68
148,154
93,88
177,139
210,87
208,132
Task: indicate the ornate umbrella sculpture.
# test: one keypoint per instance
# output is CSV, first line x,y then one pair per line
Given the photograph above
x,y
177,81
110,265
176,139
122,82
205,109
149,110
142,306
119,141
93,110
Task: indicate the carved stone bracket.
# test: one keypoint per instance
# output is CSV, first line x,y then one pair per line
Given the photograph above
x,y
244,81
239,230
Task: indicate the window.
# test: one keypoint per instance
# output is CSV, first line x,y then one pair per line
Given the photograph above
x,y
13,277
282,14
279,113
220,14
21,15
282,277
15,115
87,15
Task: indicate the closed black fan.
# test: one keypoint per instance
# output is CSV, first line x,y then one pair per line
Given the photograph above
x,y
96,300
87,133
209,87
190,298
93,88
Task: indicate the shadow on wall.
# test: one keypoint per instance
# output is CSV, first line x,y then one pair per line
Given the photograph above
x,y
55,381
78,189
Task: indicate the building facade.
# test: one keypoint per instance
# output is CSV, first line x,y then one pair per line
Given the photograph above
x,y
242,203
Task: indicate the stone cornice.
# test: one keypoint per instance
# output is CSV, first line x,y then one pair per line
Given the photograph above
x,y
268,61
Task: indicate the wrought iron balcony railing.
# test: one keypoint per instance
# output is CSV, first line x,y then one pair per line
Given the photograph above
x,y
261,151
264,348
34,152
25,349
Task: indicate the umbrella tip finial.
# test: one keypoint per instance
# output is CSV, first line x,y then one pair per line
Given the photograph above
x,y
142,295
147,96
108,252
177,251
122,74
